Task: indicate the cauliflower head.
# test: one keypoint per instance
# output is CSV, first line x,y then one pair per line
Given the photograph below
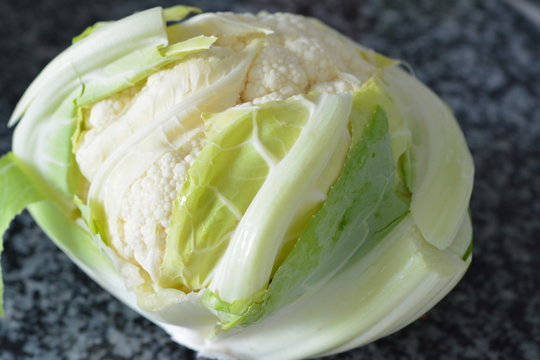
x,y
294,55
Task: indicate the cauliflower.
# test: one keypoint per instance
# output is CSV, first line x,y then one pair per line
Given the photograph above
x,y
245,172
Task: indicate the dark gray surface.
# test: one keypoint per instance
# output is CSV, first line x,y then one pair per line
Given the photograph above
x,y
482,57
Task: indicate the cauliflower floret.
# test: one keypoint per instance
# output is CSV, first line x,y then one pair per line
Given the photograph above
x,y
276,74
143,225
301,56
105,111
318,63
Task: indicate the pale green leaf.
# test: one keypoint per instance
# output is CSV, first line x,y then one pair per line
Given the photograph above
x,y
243,146
441,166
17,191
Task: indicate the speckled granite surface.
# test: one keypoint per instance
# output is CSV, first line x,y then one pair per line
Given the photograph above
x,y
480,56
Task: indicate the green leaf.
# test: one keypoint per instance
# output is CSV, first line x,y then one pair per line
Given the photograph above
x,y
242,146
22,187
17,191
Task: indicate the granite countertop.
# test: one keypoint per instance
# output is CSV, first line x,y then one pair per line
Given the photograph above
x,y
480,56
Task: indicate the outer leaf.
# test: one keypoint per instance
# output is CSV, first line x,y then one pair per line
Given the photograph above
x,y
442,170
17,191
174,13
